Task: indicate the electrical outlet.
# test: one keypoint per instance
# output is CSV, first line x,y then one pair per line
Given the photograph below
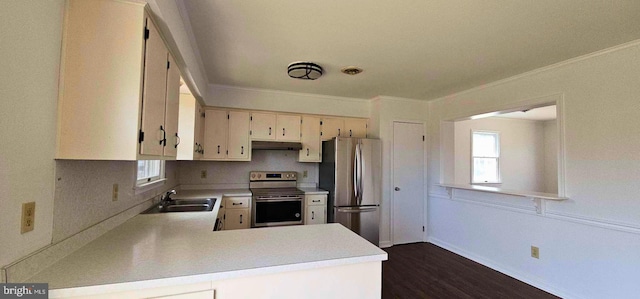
x,y
535,252
203,174
114,196
304,174
28,217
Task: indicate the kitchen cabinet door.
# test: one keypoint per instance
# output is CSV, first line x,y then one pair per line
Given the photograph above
x,y
238,145
315,215
288,127
263,126
198,135
356,128
172,106
310,139
237,219
332,127
216,128
153,95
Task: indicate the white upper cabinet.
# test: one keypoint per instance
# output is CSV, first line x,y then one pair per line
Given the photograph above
x,y
310,139
355,127
113,85
154,93
172,107
288,127
332,127
263,126
239,144
216,128
190,129
226,135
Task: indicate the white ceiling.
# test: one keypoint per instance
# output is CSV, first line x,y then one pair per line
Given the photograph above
x,y
415,49
541,114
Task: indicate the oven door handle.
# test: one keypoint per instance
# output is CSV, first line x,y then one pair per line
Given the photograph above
x,y
278,199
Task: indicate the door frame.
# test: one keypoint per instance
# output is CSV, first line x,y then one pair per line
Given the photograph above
x,y
425,190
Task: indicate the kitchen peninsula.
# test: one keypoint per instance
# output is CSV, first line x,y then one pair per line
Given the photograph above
x,y
178,254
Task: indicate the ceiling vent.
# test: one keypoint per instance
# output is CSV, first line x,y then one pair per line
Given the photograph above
x,y
304,70
351,70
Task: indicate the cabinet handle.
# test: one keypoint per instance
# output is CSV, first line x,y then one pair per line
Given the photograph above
x,y
350,133
164,136
338,132
242,150
269,131
307,152
282,131
177,140
240,218
218,149
313,215
237,203
315,200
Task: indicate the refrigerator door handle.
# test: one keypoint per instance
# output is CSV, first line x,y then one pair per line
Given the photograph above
x,y
357,210
356,175
360,170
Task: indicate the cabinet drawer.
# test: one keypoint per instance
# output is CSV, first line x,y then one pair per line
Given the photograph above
x,y
237,202
316,200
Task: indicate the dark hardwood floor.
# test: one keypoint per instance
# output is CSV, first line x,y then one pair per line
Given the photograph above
x,y
423,270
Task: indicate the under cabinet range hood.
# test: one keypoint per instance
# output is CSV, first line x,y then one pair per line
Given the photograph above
x,y
275,145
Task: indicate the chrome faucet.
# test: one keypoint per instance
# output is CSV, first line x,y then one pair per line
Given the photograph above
x,y
167,197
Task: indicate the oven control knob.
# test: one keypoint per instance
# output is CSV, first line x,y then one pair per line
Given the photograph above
x,y
297,215
293,175
286,175
253,175
259,175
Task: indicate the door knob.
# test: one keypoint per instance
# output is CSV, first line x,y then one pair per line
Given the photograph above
x,y
397,189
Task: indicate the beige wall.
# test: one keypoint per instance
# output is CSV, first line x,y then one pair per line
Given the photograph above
x,y
229,173
521,152
260,99
30,32
83,195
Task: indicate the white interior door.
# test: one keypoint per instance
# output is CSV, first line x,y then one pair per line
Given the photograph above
x,y
408,182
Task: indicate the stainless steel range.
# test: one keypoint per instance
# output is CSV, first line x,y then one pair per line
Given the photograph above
x,y
276,200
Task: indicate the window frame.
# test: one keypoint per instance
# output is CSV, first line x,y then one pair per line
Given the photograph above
x,y
497,158
151,181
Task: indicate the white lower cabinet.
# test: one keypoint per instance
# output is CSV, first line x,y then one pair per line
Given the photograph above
x,y
315,209
237,212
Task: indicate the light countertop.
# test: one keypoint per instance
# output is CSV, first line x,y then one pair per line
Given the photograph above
x,y
313,190
210,193
178,248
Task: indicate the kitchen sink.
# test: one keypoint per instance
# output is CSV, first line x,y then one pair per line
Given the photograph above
x,y
183,205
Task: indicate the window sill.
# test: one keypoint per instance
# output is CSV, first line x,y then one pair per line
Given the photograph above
x,y
536,197
138,189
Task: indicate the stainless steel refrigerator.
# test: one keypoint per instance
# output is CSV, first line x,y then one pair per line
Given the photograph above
x,y
351,172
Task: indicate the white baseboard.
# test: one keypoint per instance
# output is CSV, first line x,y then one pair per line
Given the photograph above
x,y
502,269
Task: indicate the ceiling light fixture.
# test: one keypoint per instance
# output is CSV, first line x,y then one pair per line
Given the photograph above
x,y
351,70
304,70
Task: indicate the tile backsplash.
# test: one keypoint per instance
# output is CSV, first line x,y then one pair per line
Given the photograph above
x,y
221,172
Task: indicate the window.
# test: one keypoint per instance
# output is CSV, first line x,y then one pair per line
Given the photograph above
x,y
149,171
485,161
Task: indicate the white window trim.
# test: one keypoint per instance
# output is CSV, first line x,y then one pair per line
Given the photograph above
x,y
499,180
147,184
